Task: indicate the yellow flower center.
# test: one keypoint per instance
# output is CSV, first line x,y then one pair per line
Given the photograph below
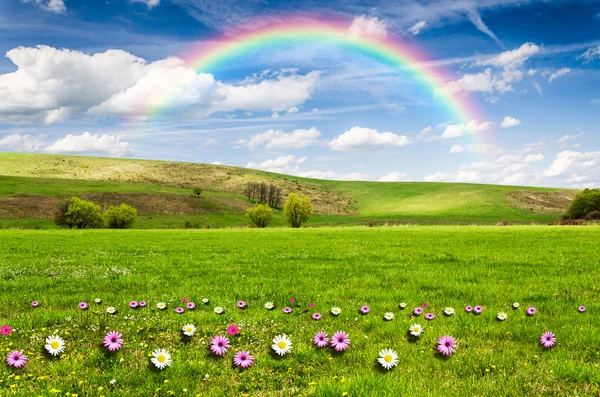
x,y
388,358
161,358
416,329
55,345
188,329
282,344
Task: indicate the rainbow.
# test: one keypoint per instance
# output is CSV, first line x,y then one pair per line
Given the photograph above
x,y
207,55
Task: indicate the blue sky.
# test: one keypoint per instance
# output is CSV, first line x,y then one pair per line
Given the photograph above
x,y
77,73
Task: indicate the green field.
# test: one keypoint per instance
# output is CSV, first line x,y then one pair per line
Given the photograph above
x,y
555,269
31,186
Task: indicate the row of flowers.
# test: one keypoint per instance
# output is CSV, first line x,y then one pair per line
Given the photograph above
x,y
281,345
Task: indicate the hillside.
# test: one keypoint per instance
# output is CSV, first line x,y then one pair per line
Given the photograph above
x,y
32,185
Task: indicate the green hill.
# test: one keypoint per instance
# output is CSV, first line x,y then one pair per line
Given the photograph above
x,y
31,186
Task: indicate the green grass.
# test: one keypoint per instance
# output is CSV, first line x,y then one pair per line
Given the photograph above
x,y
554,269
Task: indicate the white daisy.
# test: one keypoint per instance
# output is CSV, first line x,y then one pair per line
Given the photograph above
x,y
282,345
449,311
55,345
269,305
161,305
388,358
402,305
389,316
98,301
219,310
336,311
161,358
205,301
502,316
189,330
415,330
111,310
516,305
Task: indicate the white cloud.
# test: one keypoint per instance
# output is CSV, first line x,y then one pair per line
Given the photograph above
x,y
394,177
278,139
509,122
293,110
512,59
531,72
577,178
582,163
479,82
558,73
52,85
21,143
456,130
590,55
475,18
217,163
359,138
417,28
110,145
56,6
595,102
282,164
566,138
534,158
475,148
149,3
363,26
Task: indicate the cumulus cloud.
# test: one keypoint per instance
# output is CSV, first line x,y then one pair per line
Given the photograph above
x,y
394,177
475,148
363,26
359,138
590,55
56,6
110,145
511,59
558,73
21,143
52,85
534,158
417,28
278,139
282,164
457,130
149,3
571,162
509,122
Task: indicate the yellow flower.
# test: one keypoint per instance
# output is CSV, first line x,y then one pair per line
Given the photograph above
x,y
344,393
166,381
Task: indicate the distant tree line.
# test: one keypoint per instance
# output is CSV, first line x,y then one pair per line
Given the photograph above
x,y
263,193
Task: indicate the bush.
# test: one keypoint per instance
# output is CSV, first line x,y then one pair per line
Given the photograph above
x,y
297,210
121,217
260,216
197,191
80,214
584,203
593,216
192,225
373,222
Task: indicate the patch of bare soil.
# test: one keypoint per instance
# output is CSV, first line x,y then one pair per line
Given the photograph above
x,y
550,202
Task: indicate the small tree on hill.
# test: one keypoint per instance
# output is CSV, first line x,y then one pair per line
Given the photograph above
x,y
297,210
80,214
198,191
260,216
121,217
584,203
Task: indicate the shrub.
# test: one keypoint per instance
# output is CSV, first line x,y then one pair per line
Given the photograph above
x,y
80,214
121,217
197,191
502,223
191,225
260,216
297,210
593,216
373,222
584,203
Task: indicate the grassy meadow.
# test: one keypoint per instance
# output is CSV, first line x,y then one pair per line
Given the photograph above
x,y
554,269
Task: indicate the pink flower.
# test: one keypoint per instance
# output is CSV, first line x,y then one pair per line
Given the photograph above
x,y
469,309
179,310
233,330
6,330
16,359
292,300
581,309
184,300
425,304
219,345
548,339
143,303
287,310
478,309
321,340
317,316
340,341
113,341
531,311
133,304
311,305
365,310
446,345
241,304
35,303
83,305
243,359
190,305
429,316
417,311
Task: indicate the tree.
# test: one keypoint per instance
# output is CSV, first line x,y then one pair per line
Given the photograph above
x,y
584,203
80,214
197,191
260,216
121,217
297,210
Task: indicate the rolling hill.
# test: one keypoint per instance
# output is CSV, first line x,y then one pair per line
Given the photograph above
x,y
32,185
